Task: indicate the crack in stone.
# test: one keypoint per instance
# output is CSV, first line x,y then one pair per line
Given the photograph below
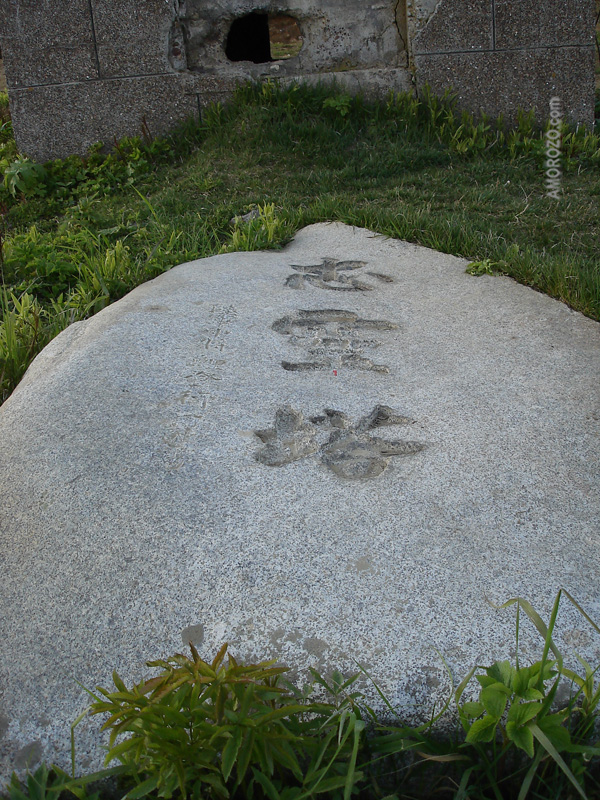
x,y
397,24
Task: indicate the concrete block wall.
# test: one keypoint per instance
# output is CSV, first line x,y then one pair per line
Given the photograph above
x,y
501,55
84,71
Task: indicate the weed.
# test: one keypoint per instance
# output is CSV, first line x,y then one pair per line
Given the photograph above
x,y
484,267
263,231
25,177
220,730
340,104
227,730
91,229
20,334
515,742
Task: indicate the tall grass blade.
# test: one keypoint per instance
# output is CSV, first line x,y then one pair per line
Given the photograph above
x,y
552,751
527,781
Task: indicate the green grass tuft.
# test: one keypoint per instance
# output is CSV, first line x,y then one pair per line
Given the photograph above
x,y
78,234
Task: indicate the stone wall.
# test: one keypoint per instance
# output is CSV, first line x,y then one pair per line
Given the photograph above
x,y
96,70
501,55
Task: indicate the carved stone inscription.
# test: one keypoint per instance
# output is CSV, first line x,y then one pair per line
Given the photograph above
x,y
351,451
204,371
332,338
212,339
334,275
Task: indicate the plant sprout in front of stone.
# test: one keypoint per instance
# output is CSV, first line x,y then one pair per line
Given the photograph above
x,y
221,730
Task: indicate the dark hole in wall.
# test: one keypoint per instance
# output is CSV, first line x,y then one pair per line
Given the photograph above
x,y
261,37
248,39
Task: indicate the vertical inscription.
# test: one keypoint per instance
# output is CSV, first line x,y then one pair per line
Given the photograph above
x,y
206,369
334,338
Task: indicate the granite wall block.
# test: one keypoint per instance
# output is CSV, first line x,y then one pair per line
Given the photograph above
x,y
88,70
560,22
457,25
132,37
502,82
53,121
44,43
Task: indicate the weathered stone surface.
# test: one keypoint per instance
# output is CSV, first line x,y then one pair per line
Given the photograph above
x,y
529,80
338,35
97,111
568,22
43,46
37,66
140,509
361,47
135,39
457,25
373,83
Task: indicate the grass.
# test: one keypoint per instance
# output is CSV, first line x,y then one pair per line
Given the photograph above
x,y
79,234
223,730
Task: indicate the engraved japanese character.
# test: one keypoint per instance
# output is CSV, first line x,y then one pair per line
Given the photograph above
x,y
334,275
350,451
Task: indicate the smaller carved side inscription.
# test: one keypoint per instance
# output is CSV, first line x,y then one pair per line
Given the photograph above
x,y
338,276
350,450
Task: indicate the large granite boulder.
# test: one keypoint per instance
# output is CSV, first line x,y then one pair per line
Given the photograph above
x,y
338,451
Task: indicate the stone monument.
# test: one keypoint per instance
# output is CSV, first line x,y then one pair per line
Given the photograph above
x,y
345,451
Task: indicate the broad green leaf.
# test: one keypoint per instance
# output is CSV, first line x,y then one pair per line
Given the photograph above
x,y
520,713
230,752
494,701
521,680
500,687
521,736
532,694
555,731
472,709
503,672
482,730
142,789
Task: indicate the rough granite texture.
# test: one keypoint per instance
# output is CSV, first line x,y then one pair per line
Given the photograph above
x,y
120,107
133,41
164,478
497,56
567,23
532,79
503,56
43,46
457,25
